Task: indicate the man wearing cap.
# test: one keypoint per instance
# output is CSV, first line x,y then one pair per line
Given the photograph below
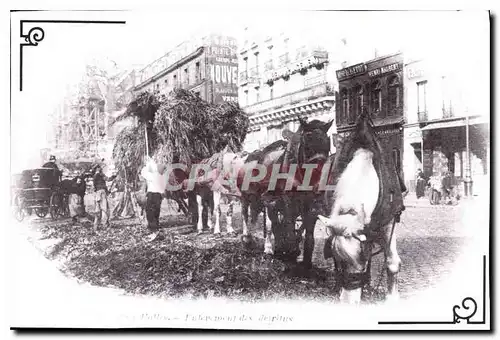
x,y
52,164
101,197
155,176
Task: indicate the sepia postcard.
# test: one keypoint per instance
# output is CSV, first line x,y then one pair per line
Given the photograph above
x,y
249,170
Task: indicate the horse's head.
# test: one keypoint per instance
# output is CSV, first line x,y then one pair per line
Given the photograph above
x,y
310,144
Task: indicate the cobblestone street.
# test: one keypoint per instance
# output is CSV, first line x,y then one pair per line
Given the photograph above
x,y
430,238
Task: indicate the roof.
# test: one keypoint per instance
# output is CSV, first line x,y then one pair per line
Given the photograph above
x,y
454,123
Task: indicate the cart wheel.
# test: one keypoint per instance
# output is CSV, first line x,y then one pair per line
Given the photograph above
x,y
41,212
54,205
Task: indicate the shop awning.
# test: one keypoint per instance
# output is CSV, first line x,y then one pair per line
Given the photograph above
x,y
454,123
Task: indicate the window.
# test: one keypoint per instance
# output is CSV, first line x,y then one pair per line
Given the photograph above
x,y
257,61
271,93
246,64
451,162
345,106
246,98
421,93
359,99
198,72
393,94
376,103
269,63
257,95
186,76
175,80
396,157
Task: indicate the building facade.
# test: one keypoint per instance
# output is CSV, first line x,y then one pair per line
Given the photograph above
x,y
437,114
206,66
281,80
376,85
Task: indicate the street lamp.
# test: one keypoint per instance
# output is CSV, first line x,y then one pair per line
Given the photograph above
x,y
468,177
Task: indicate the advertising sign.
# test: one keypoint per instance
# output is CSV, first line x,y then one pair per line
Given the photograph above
x,y
223,68
351,71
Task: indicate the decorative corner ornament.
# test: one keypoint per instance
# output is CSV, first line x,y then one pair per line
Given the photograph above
x,y
34,36
37,34
468,304
471,310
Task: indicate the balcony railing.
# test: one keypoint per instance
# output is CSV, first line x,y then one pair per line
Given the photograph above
x,y
422,116
320,54
288,99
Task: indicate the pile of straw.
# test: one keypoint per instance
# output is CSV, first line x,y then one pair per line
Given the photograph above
x,y
181,127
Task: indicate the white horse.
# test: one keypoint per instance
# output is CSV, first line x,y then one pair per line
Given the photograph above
x,y
366,206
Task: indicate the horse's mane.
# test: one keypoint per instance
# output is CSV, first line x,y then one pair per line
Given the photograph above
x,y
258,155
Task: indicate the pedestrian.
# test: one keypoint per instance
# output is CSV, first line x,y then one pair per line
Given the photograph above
x,y
447,186
101,197
420,181
156,181
76,198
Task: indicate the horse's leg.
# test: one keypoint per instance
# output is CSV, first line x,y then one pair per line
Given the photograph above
x,y
229,216
254,214
268,234
276,214
309,221
199,225
193,205
216,211
392,261
209,208
244,214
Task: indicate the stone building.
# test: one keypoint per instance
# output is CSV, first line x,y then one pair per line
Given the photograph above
x,y
280,80
376,85
208,66
437,113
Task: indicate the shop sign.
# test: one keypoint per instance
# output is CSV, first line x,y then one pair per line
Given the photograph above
x,y
351,71
384,69
414,73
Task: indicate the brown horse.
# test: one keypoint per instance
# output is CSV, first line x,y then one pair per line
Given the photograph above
x,y
360,219
285,200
